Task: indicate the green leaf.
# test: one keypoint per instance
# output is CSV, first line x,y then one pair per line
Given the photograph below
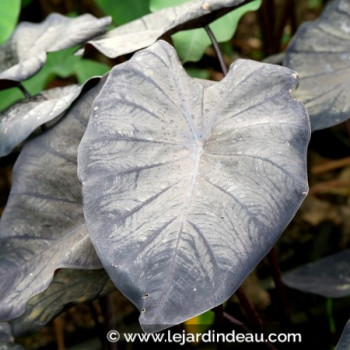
x,y
156,5
198,73
191,44
9,10
123,11
314,4
9,97
64,64
25,3
200,323
85,69
226,26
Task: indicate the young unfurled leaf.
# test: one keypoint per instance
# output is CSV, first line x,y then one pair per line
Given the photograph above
x,y
320,53
187,186
25,52
145,31
43,226
329,276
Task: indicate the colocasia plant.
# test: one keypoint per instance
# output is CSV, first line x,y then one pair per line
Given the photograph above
x,y
170,188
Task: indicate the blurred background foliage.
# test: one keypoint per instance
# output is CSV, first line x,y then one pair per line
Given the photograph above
x,y
193,46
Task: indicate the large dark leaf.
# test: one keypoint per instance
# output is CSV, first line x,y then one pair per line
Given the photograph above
x,y
329,277
320,53
25,52
43,226
21,119
186,187
344,341
6,339
145,31
68,286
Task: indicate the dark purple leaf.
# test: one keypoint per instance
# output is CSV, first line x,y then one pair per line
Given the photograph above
x,y
21,119
329,276
187,186
320,53
145,31
68,286
6,339
43,226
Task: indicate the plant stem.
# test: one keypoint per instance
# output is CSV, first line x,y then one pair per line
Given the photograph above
x,y
288,12
217,49
107,308
24,91
267,19
250,310
330,166
329,311
253,315
58,325
347,126
277,277
219,323
236,322
219,315
110,318
99,326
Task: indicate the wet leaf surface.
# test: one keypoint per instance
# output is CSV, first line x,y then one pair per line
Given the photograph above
x,y
187,186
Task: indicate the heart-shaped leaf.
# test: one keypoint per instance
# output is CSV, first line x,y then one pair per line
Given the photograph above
x,y
21,119
145,31
25,52
6,339
320,53
68,286
187,186
43,226
329,276
344,341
